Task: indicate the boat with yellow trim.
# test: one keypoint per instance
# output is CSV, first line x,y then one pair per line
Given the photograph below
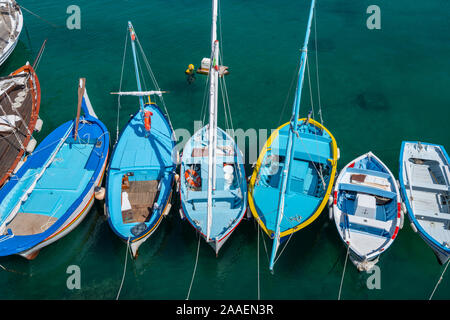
x,y
293,177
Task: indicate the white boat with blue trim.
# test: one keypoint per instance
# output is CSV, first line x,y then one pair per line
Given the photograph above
x,y
367,209
425,185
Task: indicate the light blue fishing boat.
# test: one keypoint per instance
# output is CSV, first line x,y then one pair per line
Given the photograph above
x,y
294,174
54,189
367,209
213,188
425,185
142,167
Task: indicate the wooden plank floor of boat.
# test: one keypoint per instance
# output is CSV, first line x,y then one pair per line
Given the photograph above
x,y
141,195
9,144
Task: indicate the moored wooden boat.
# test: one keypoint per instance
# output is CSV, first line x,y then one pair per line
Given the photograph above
x,y
54,189
425,185
20,99
367,209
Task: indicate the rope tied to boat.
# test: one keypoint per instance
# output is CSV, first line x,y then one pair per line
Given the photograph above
x,y
39,17
343,272
439,281
195,269
124,269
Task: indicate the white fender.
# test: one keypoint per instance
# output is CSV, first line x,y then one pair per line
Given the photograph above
x,y
404,208
168,207
402,219
38,125
330,200
31,145
181,214
99,193
413,227
338,153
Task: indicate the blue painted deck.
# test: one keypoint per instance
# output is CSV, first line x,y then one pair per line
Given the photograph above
x,y
63,185
148,158
305,190
229,201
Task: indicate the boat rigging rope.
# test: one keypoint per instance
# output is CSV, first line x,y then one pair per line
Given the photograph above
x,y
343,272
124,269
195,268
120,87
155,83
317,68
439,281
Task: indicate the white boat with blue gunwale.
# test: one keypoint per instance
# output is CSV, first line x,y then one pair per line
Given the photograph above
x,y
367,209
213,188
142,167
54,189
425,185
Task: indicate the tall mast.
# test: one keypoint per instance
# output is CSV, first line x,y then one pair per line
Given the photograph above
x,y
136,69
213,94
291,138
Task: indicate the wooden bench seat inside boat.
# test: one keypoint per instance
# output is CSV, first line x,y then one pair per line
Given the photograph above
x,y
141,195
30,223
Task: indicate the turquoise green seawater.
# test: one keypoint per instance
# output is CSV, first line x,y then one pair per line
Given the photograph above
x,y
378,87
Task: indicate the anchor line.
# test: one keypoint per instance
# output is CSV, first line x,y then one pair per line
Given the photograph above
x,y
343,272
124,269
439,281
195,268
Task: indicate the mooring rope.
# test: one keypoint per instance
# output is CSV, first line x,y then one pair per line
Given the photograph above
x,y
195,269
39,17
343,272
259,286
124,269
440,279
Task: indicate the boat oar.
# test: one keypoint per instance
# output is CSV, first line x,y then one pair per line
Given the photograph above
x,y
81,89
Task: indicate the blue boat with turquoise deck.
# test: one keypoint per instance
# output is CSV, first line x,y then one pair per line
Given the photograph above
x,y
54,189
142,168
294,173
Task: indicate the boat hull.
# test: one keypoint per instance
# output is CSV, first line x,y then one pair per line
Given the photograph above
x,y
12,150
194,209
57,188
298,218
9,48
367,235
158,160
429,221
